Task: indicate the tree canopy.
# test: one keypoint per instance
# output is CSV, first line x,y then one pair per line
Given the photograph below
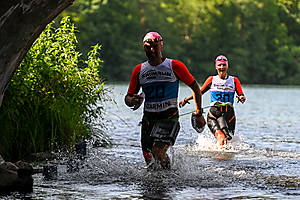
x,y
260,37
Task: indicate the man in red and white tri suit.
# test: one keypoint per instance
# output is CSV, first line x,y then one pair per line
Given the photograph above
x,y
159,79
221,118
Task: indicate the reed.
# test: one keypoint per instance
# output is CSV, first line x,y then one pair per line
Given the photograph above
x,y
53,96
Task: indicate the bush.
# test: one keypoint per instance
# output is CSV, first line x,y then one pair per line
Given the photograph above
x,y
53,95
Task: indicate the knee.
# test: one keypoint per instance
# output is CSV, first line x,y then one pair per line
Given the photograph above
x,y
159,149
212,125
147,155
220,136
219,133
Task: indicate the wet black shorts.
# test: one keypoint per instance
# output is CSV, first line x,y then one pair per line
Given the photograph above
x,y
165,131
215,113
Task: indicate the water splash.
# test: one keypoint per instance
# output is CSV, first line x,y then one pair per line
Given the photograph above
x,y
207,142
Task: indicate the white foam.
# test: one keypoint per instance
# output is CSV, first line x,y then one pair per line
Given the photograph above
x,y
207,142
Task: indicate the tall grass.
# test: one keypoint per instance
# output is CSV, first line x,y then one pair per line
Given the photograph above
x,y
52,97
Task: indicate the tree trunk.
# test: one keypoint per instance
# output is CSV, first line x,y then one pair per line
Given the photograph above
x,y
21,22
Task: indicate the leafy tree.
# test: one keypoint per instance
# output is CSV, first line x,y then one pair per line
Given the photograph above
x,y
114,24
260,37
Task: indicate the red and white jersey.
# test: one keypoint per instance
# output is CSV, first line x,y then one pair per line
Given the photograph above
x,y
159,83
222,90
160,86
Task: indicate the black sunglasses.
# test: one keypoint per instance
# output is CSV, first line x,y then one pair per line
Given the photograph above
x,y
153,40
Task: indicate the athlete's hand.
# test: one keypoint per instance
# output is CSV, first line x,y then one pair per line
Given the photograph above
x,y
198,122
183,102
242,98
137,100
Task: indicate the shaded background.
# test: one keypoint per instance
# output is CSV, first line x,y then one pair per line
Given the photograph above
x,y
260,37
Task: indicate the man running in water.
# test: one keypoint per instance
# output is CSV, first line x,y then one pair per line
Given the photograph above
x,y
221,118
159,79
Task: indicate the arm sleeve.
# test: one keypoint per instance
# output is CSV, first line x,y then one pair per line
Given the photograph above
x,y
206,86
182,72
134,85
238,87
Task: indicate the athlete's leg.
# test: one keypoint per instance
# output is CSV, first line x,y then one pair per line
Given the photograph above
x,y
231,125
230,120
214,127
223,126
164,134
159,151
146,140
221,138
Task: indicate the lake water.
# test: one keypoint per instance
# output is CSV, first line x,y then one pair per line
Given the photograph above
x,y
264,161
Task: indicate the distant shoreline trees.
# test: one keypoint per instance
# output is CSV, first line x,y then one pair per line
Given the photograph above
x,y
260,37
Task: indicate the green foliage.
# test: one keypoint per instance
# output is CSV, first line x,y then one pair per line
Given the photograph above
x,y
260,37
53,95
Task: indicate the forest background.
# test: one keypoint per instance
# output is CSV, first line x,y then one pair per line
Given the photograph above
x,y
260,37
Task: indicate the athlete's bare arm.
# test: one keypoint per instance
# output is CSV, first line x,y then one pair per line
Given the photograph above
x,y
197,96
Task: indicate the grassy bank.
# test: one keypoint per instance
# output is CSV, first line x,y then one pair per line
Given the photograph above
x,y
53,96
